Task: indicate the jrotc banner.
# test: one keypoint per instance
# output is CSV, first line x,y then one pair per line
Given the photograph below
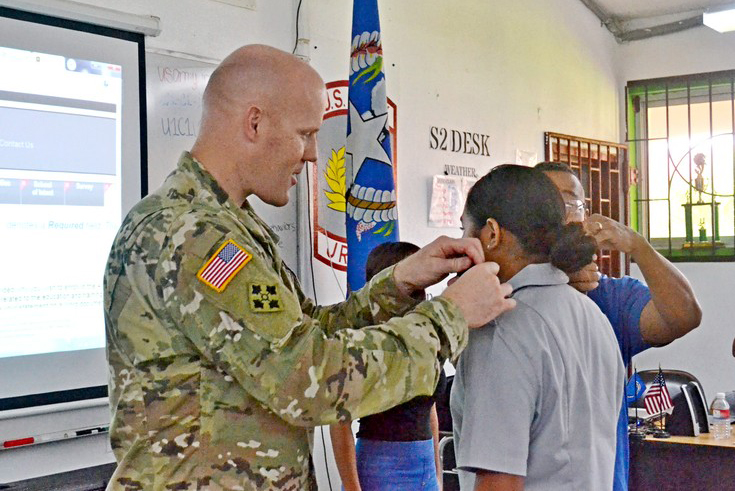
x,y
372,217
329,186
328,189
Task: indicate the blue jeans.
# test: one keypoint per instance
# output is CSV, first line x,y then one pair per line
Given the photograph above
x,y
389,466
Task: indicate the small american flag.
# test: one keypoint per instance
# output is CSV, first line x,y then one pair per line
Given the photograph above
x,y
219,270
657,398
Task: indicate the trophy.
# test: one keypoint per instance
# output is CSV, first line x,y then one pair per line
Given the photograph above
x,y
699,185
706,211
702,231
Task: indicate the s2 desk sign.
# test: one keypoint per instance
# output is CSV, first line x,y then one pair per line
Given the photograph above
x,y
457,141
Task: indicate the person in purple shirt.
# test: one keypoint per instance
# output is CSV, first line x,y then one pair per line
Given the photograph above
x,y
641,316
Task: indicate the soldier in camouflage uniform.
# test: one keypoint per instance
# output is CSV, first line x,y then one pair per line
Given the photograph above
x,y
220,366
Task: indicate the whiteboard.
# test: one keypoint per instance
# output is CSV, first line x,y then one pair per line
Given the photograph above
x,y
175,86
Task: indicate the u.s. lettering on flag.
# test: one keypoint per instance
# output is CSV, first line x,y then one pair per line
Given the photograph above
x,y
222,267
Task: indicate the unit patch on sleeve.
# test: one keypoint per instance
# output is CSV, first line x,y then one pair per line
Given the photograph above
x,y
264,298
222,267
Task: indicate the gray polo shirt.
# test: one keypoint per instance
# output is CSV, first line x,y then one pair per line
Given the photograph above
x,y
537,392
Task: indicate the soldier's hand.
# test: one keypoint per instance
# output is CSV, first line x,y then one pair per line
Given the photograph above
x,y
479,294
434,262
586,279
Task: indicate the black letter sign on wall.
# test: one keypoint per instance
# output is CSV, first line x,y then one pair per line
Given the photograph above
x,y
459,141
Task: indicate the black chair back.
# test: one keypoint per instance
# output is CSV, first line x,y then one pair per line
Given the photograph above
x,y
685,415
674,380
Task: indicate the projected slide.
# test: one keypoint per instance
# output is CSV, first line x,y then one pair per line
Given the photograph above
x,y
60,198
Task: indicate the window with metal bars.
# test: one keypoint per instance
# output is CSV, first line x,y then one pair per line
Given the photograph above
x,y
680,131
602,169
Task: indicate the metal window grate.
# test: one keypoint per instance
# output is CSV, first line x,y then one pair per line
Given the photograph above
x,y
680,131
602,167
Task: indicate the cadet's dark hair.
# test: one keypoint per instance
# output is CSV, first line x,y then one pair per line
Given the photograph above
x,y
554,167
527,204
387,254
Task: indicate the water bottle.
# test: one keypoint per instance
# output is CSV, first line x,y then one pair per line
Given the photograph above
x,y
720,417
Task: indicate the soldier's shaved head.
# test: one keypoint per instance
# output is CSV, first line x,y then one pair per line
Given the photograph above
x,y
257,103
256,74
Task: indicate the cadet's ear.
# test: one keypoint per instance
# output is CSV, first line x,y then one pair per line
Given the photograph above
x,y
490,235
253,119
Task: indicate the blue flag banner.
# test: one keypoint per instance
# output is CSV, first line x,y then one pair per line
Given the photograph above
x,y
371,217
635,388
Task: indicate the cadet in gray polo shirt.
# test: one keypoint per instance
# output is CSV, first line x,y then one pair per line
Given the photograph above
x,y
536,395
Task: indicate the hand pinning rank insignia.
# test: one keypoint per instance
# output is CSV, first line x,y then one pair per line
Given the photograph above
x,y
264,298
222,267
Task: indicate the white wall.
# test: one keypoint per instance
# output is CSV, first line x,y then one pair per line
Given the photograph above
x,y
707,351
210,28
698,50
508,68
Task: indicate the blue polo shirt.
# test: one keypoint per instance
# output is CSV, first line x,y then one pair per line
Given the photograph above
x,y
622,300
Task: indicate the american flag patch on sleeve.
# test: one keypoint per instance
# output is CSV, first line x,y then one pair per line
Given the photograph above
x,y
222,267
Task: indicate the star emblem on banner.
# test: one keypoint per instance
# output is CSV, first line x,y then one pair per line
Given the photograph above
x,y
362,142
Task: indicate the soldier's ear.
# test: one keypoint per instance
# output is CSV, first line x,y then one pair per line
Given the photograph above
x,y
252,122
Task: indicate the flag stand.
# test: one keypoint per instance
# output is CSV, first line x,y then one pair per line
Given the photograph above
x,y
660,432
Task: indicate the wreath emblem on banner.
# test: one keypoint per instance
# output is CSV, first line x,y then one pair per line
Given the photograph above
x,y
335,176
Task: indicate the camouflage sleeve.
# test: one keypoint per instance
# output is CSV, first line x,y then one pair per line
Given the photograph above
x,y
379,300
253,328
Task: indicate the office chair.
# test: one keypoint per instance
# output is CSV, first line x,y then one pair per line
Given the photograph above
x,y
450,478
674,380
686,413
695,406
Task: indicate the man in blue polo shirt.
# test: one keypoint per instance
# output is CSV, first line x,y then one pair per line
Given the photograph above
x,y
641,316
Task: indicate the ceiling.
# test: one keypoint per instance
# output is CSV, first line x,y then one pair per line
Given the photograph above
x,y
632,9
631,20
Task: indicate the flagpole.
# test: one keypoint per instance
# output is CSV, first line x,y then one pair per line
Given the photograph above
x,y
660,410
371,216
635,369
660,432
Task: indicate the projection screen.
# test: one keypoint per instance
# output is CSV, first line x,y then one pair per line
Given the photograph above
x,y
71,165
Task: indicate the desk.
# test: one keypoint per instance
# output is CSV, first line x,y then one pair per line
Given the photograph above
x,y
682,463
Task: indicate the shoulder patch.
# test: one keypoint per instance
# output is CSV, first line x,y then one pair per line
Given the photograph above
x,y
224,264
264,298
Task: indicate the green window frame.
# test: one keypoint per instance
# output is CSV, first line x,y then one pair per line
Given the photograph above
x,y
682,160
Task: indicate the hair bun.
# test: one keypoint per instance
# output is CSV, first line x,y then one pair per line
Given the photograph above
x,y
573,249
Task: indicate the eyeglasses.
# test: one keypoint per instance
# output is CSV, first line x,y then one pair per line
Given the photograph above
x,y
576,208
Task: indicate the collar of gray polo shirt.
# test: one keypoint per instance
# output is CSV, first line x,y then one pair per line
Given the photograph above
x,y
537,275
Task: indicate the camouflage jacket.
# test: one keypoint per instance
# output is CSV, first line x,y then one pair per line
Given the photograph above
x,y
220,366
